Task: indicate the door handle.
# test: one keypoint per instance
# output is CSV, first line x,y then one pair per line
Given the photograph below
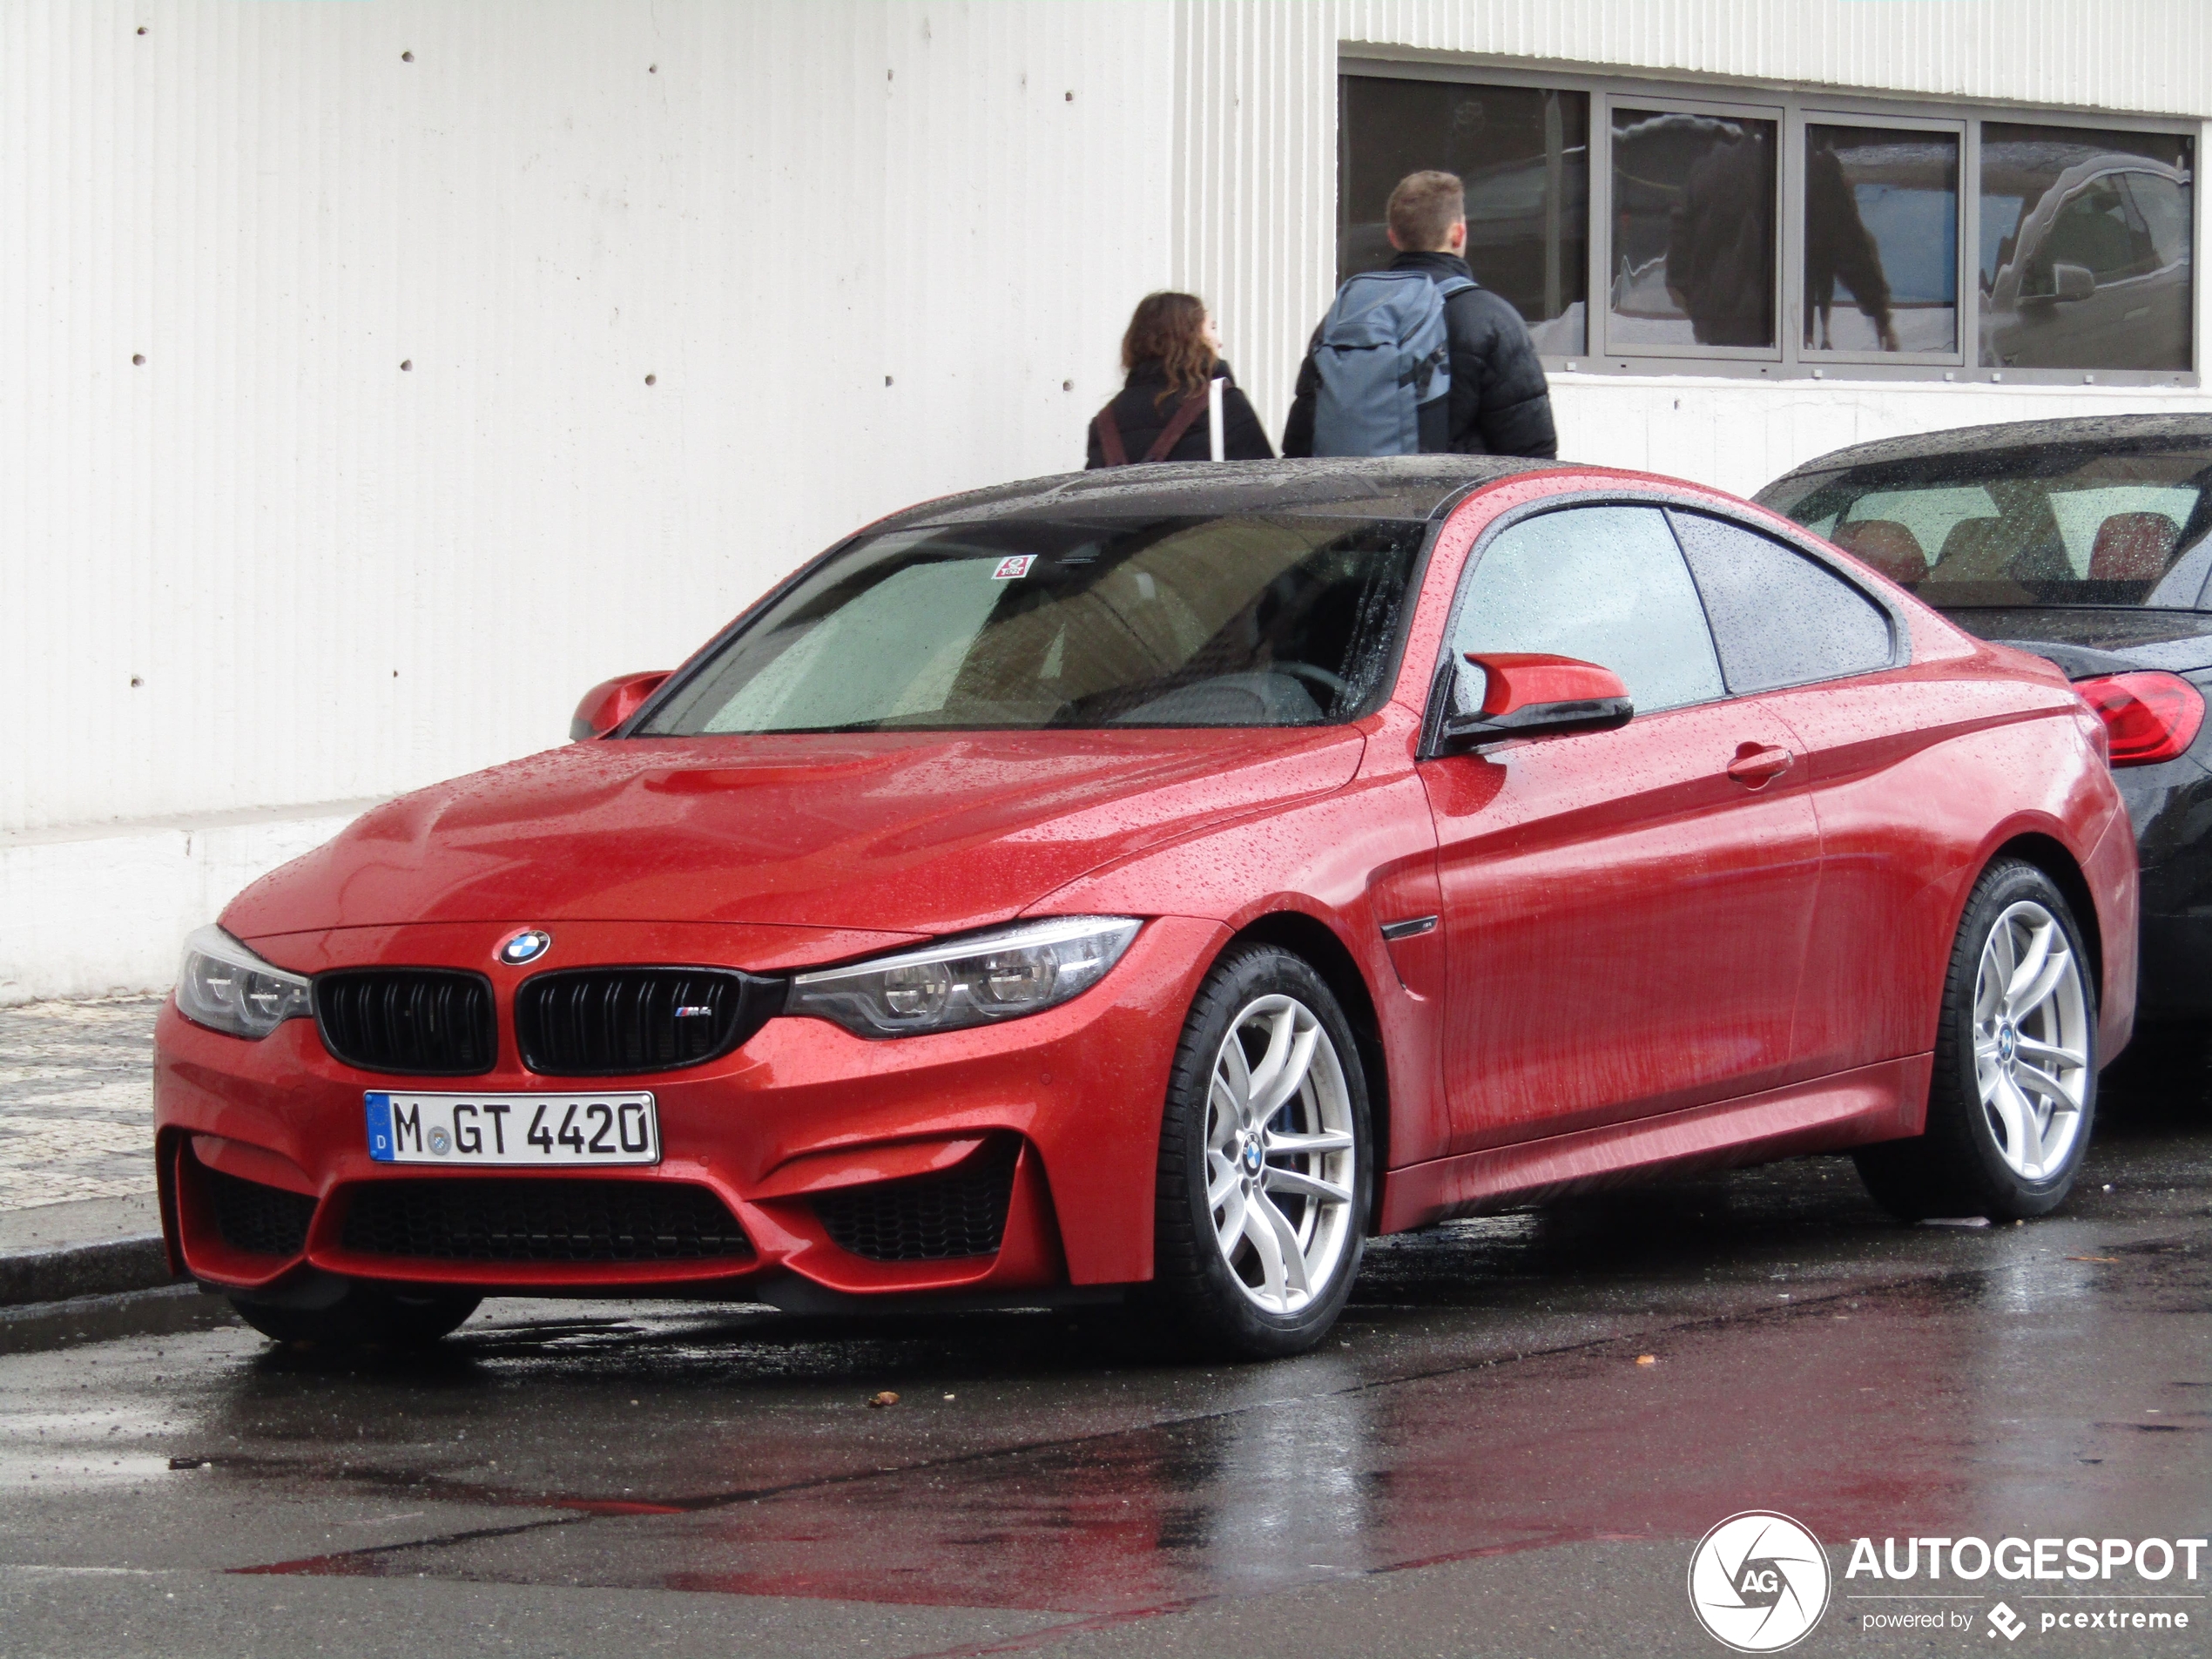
x,y
1756,765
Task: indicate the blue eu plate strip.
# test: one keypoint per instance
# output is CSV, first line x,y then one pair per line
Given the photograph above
x,y
380,1127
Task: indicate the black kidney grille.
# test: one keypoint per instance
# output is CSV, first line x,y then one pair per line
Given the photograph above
x,y
430,1022
609,1021
557,1220
267,1221
926,1218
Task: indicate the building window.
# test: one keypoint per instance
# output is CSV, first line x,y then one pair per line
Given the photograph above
x,y
1881,241
1693,255
1783,234
2085,239
1525,154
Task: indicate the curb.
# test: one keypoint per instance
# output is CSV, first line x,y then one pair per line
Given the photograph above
x,y
108,1268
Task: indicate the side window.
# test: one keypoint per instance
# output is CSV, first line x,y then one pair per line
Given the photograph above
x,y
2096,227
2164,206
1606,585
1779,618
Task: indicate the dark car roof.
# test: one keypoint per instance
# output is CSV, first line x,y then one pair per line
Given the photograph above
x,y
1389,487
2119,431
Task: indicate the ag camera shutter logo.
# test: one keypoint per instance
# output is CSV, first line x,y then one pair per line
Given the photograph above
x,y
1758,1581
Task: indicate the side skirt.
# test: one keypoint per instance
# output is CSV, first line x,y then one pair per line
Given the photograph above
x,y
1879,1103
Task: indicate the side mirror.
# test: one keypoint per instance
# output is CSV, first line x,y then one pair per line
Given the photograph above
x,y
2072,281
1528,694
607,705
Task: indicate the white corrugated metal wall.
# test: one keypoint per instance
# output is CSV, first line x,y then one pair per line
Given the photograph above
x,y
869,250
858,246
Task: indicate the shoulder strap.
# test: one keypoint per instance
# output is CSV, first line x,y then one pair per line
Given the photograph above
x,y
1193,406
1451,287
1110,438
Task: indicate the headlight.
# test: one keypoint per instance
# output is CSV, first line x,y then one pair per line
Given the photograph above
x,y
226,988
976,981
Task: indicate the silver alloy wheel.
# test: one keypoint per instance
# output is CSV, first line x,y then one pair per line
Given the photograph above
x,y
2031,1040
1281,1154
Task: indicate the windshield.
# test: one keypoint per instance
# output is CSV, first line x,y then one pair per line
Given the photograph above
x,y
1249,620
2056,524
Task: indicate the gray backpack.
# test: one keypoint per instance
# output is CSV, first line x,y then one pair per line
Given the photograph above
x,y
1381,353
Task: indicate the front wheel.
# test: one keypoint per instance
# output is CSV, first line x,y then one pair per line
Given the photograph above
x,y
2015,1089
1264,1165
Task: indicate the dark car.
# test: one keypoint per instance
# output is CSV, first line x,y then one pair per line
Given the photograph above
x,y
2087,542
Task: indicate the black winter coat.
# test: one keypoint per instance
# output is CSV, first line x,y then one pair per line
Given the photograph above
x,y
1142,414
1500,403
1720,246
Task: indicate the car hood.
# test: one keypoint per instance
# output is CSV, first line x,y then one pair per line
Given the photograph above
x,y
2087,640
906,832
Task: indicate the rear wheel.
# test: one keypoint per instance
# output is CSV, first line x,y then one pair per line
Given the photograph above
x,y
364,1316
2014,1090
1263,1172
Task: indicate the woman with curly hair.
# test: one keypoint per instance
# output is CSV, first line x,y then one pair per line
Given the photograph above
x,y
1172,355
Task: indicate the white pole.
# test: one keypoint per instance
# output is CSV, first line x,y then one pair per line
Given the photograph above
x,y
1213,416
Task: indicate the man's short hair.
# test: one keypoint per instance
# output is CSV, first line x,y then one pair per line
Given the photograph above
x,y
1424,208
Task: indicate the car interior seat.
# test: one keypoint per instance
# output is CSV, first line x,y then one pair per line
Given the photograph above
x,y
2133,547
1890,547
1976,549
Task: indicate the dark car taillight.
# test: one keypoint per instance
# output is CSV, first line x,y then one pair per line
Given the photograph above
x,y
2148,716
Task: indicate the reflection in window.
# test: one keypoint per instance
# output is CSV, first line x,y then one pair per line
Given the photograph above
x,y
1693,231
1524,154
1881,254
2085,248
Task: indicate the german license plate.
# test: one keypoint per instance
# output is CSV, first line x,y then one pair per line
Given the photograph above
x,y
536,1131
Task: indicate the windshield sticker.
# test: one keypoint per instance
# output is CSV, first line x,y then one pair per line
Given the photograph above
x,y
1014,567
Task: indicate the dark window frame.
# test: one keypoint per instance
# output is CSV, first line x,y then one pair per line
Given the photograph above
x,y
1794,110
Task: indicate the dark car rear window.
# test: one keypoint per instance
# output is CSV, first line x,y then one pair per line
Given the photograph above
x,y
1244,620
2051,524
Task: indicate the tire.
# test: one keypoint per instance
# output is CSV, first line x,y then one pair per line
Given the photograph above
x,y
1260,1001
2008,1117
365,1316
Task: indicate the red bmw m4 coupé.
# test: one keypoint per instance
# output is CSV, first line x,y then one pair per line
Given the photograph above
x,y
1150,885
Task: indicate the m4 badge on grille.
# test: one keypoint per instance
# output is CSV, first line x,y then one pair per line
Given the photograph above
x,y
693,1011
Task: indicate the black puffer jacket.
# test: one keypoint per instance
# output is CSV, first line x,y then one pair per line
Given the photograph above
x,y
1500,402
1143,414
1720,246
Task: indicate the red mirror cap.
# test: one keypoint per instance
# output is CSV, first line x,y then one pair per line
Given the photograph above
x,y
1516,680
607,705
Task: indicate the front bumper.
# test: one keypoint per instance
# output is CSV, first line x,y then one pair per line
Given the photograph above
x,y
1062,1107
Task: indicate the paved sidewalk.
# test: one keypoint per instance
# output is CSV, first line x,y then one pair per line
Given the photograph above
x,y
75,1101
78,1214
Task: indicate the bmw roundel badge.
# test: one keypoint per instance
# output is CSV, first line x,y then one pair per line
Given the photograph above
x,y
526,947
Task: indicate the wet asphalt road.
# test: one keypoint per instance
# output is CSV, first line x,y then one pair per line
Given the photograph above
x,y
1476,1463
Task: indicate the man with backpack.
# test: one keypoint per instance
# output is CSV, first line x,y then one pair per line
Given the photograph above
x,y
1421,358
